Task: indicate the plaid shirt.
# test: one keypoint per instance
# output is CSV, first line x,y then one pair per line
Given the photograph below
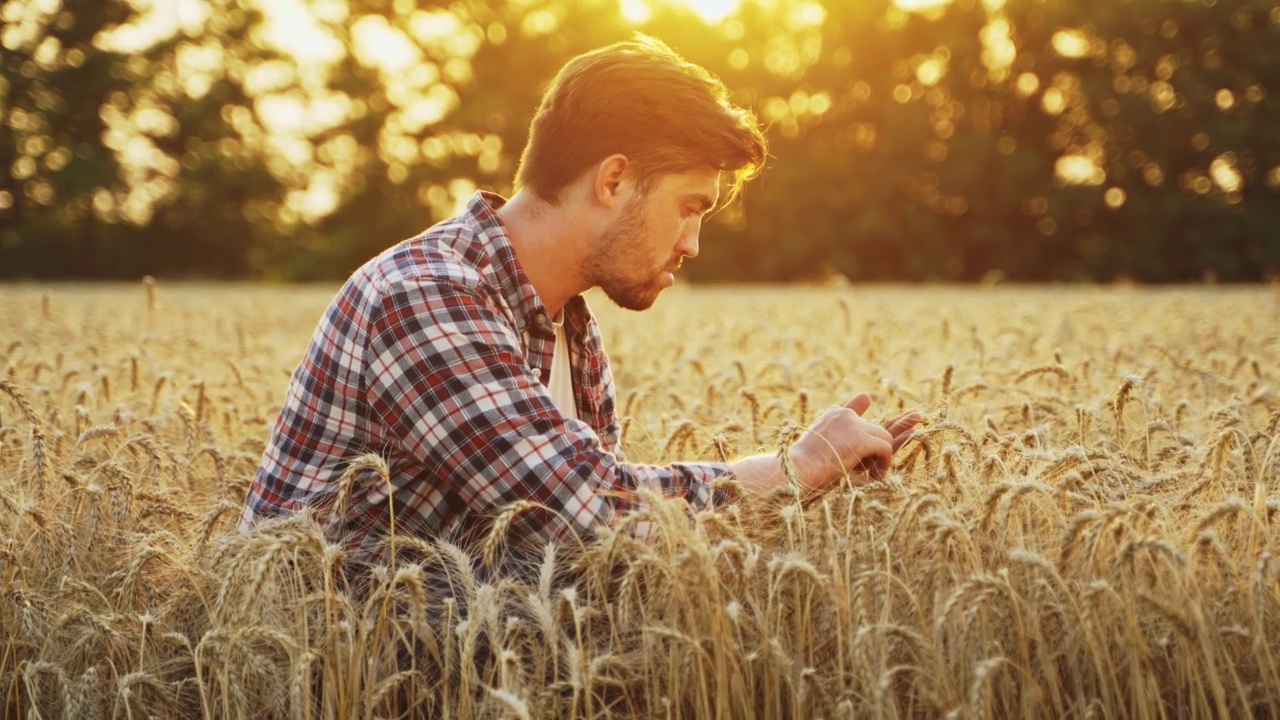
x,y
435,355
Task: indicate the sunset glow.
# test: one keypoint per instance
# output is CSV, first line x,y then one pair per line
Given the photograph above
x,y
639,12
920,4
712,11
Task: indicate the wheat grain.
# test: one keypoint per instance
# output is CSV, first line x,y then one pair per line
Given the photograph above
x,y
1155,548
500,526
211,519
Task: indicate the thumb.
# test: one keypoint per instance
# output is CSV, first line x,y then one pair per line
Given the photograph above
x,y
859,403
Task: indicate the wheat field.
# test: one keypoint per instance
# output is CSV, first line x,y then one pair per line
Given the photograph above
x,y
1085,525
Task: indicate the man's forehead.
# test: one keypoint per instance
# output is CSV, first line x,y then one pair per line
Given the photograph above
x,y
699,181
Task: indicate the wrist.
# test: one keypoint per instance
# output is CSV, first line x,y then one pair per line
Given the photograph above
x,y
807,468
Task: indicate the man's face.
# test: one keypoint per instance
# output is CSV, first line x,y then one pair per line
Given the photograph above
x,y
637,255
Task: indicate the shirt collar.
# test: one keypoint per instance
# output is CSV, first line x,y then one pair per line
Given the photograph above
x,y
508,274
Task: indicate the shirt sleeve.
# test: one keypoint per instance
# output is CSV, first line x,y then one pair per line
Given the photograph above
x,y
448,379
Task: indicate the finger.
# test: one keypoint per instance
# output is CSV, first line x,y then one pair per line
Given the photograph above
x,y
904,430
876,460
903,439
895,420
859,403
903,423
906,419
874,468
877,431
857,432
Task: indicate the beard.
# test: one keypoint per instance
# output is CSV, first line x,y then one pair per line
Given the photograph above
x,y
620,265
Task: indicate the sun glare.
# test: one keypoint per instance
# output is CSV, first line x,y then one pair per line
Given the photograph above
x,y
920,5
712,11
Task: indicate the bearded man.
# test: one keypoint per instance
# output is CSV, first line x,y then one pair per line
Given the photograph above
x,y
468,359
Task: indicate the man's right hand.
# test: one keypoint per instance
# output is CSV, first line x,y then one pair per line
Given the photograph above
x,y
841,442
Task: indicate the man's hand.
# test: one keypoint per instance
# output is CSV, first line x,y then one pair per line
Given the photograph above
x,y
841,442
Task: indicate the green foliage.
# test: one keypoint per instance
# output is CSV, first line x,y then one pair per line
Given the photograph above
x,y
1045,139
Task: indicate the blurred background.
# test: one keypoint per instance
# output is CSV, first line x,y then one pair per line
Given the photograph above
x,y
1029,140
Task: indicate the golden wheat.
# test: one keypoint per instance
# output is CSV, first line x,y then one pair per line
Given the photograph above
x,y
1020,559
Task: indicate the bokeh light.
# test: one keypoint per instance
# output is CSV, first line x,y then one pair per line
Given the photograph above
x,y
292,121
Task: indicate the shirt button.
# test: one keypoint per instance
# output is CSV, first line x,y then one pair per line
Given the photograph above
x,y
541,318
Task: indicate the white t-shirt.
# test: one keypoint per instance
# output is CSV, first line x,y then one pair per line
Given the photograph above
x,y
561,385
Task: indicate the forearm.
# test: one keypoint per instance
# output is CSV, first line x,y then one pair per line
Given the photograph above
x,y
758,475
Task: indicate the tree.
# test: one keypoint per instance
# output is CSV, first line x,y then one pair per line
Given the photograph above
x,y
1045,139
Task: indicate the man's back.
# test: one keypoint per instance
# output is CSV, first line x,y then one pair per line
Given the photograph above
x,y
434,356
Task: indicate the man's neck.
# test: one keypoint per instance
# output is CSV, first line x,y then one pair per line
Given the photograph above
x,y
549,243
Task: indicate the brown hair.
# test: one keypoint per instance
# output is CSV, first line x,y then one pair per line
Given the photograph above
x,y
640,99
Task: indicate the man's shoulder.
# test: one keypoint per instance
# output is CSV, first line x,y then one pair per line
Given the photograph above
x,y
450,253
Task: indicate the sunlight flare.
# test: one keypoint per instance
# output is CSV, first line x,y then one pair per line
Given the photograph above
x,y
639,12
921,5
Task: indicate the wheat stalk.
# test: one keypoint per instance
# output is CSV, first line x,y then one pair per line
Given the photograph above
x,y
498,533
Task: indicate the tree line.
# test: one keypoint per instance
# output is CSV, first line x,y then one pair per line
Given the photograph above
x,y
1037,140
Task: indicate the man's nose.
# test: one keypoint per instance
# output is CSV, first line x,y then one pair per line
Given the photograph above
x,y
688,245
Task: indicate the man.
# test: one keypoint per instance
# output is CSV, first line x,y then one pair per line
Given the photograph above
x,y
467,358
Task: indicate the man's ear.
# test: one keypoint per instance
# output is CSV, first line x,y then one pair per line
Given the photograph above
x,y
610,180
